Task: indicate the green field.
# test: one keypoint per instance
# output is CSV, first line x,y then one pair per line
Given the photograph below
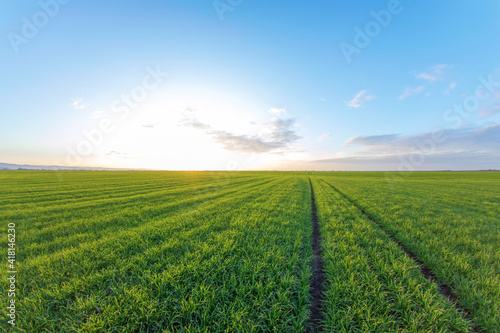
x,y
232,251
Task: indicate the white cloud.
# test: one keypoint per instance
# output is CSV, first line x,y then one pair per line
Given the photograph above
x,y
411,91
114,152
97,115
277,136
452,86
426,76
478,138
471,148
437,161
324,136
323,99
277,112
435,73
490,107
78,103
360,97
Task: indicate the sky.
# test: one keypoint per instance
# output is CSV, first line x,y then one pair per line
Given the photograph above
x,y
251,84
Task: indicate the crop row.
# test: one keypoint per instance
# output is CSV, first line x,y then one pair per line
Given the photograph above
x,y
218,251
372,285
450,222
231,262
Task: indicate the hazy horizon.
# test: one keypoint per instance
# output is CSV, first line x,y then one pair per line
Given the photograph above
x,y
251,85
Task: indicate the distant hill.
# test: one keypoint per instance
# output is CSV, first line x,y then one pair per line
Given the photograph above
x,y
8,166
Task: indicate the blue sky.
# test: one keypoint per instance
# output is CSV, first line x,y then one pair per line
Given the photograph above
x,y
236,85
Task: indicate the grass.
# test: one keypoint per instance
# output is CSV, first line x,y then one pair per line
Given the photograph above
x,y
231,251
181,258
372,285
449,220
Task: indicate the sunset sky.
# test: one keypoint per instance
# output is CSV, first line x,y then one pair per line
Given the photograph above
x,y
251,85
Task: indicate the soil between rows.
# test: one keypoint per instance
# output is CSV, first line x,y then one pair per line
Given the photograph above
x,y
444,289
318,277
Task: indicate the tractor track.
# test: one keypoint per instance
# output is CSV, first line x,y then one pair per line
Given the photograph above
x,y
444,289
318,276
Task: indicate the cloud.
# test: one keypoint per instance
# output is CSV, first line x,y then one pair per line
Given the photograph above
x,y
474,138
360,97
277,136
277,112
78,103
324,136
411,91
97,115
469,148
114,153
491,107
374,140
438,161
323,99
452,86
148,125
489,111
190,121
435,73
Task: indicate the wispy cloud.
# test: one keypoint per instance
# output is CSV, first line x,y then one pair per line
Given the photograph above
x,y
437,161
323,99
358,100
373,140
277,112
97,115
435,73
324,136
279,135
479,138
115,153
465,148
148,125
411,91
452,86
491,107
78,103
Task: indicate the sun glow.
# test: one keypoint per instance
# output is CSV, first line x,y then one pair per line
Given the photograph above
x,y
155,136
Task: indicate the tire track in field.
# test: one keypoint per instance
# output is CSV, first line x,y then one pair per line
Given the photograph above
x,y
318,276
444,289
